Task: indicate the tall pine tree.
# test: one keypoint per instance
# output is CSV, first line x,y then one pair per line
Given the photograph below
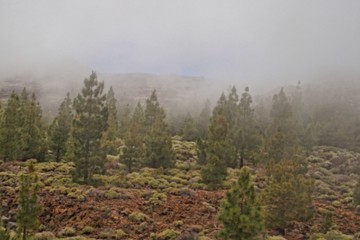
x,y
11,129
282,139
240,211
189,130
287,195
133,151
59,131
111,134
203,120
27,216
124,120
246,135
90,121
32,131
219,148
158,145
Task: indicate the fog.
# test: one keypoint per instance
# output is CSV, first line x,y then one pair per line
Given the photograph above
x,y
264,44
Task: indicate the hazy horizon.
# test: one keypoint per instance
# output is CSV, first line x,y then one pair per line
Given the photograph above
x,y
256,43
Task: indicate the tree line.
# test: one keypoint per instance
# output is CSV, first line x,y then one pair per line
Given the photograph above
x,y
234,134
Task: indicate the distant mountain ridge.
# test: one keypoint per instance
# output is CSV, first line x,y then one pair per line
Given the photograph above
x,y
128,87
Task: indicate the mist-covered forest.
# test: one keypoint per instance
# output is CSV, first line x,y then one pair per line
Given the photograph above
x,y
244,167
179,120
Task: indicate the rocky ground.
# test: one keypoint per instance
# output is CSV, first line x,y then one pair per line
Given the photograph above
x,y
158,204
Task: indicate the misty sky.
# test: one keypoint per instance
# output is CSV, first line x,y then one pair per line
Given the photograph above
x,y
262,41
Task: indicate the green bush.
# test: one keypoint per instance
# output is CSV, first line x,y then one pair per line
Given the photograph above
x,y
167,234
110,234
87,230
332,235
138,217
67,232
112,193
44,236
356,196
157,198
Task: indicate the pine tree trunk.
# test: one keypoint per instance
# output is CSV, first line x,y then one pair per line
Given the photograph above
x,y
24,234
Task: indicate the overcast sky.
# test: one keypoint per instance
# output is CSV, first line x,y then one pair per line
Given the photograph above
x,y
250,41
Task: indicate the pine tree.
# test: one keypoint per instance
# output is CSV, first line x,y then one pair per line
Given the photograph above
x,y
240,211
282,131
4,232
356,195
70,148
110,135
90,121
133,151
11,129
32,131
231,111
203,120
158,145
112,115
124,120
59,131
27,216
201,151
246,136
189,130
287,195
220,152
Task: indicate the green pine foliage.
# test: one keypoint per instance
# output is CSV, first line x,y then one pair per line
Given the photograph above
x,y
247,139
203,119
240,211
11,128
283,137
133,151
110,135
220,152
189,130
112,116
4,232
356,195
90,121
201,151
27,216
22,131
124,120
60,128
287,195
32,134
158,145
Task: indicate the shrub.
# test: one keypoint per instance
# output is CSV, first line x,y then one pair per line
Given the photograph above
x,y
138,217
167,234
157,198
112,194
356,195
67,232
276,238
87,230
44,236
332,235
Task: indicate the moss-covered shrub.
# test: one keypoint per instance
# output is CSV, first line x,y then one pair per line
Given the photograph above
x,y
276,238
112,234
112,193
138,217
87,230
167,234
67,232
44,236
157,198
331,235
